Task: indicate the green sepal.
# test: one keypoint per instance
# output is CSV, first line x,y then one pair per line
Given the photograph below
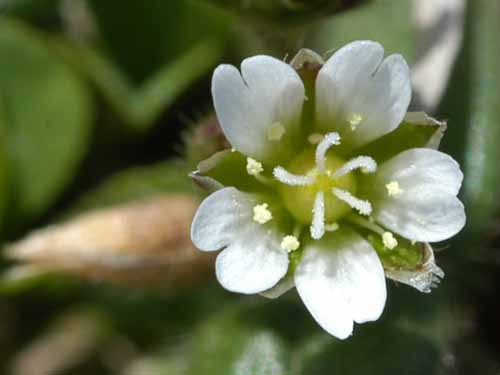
x,y
405,256
409,263
226,168
417,130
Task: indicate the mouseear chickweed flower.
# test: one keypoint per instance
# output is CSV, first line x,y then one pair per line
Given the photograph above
x,y
331,186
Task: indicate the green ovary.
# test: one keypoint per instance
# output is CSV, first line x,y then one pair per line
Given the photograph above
x,y
299,200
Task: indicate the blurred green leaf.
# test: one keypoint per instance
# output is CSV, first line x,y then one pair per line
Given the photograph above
x,y
140,106
229,344
152,53
3,170
482,181
47,114
386,21
161,30
139,183
410,338
472,106
29,9
371,350
289,10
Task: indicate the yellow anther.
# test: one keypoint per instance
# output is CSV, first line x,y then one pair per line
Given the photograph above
x,y
275,131
354,119
315,138
332,227
290,243
254,168
389,241
393,188
261,213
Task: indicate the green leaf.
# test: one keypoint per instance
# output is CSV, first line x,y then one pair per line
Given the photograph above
x,y
140,106
289,10
30,9
47,113
139,183
160,30
367,22
4,191
471,105
152,53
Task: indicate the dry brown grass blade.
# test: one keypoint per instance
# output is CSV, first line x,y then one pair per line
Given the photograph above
x,y
145,243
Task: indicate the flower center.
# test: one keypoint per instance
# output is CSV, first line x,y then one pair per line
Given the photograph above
x,y
318,188
299,200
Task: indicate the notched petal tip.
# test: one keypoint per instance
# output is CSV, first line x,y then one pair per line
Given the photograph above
x,y
357,80
340,279
266,92
252,263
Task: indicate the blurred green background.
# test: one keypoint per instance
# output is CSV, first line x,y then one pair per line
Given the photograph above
x,y
105,107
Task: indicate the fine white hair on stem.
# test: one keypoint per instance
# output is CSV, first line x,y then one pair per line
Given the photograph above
x,y
328,141
362,206
365,163
282,175
318,221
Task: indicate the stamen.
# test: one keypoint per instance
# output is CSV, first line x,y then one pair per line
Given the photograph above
x,y
254,168
362,206
393,189
261,213
282,175
365,163
389,241
354,119
290,243
328,141
315,138
318,221
275,131
332,227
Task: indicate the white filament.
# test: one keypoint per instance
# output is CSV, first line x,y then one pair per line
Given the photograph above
x,y
363,207
282,175
328,141
318,221
366,163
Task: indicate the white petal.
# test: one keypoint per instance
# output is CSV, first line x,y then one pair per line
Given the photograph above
x,y
356,81
340,280
253,262
268,91
427,209
220,218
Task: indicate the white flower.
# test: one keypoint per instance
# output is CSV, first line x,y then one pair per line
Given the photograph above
x,y
331,158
